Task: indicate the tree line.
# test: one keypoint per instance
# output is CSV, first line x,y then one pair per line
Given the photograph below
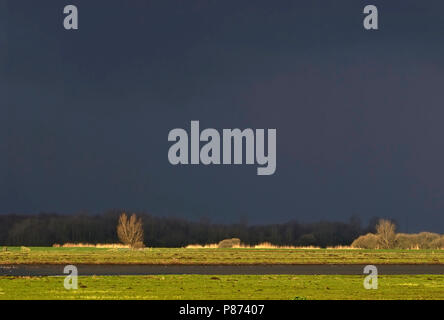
x,y
46,229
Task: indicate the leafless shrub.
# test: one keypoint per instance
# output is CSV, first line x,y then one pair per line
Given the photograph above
x,y
438,243
406,241
368,241
229,243
387,238
130,231
386,231
426,239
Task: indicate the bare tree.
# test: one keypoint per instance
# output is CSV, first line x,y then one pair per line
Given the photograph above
x,y
386,231
130,231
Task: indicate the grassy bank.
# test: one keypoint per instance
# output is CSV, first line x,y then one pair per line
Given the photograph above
x,y
178,287
40,255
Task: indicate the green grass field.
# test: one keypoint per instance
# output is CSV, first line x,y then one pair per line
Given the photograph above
x,y
39,255
176,287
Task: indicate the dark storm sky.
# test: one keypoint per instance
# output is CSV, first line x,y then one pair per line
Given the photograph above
x,y
85,114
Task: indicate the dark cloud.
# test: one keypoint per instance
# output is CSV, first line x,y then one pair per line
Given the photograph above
x,y
86,114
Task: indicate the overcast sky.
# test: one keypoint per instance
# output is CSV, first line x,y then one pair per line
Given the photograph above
x,y
85,114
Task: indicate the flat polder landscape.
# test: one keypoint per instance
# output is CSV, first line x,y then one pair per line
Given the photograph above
x,y
220,286
229,256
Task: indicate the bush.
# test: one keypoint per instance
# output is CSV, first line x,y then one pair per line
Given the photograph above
x,y
425,239
438,243
386,231
368,241
229,243
406,241
130,231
